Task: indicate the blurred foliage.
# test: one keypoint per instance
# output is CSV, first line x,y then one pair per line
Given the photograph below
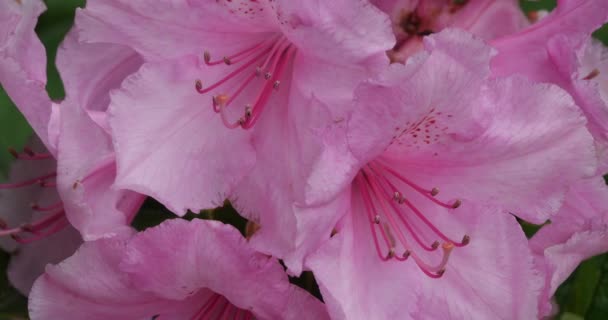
x,y
583,296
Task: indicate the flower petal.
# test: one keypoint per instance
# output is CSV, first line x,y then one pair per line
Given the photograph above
x,y
170,144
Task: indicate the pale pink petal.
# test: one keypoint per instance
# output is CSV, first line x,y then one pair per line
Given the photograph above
x,y
90,71
577,232
90,285
23,63
142,277
167,30
525,52
249,280
325,30
86,174
170,144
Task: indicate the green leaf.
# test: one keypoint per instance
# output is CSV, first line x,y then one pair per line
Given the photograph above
x,y
571,316
14,131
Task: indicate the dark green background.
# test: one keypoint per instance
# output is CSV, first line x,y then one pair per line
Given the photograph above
x,y
583,296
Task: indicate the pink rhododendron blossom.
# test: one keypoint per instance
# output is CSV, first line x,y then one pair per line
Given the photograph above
x,y
178,270
414,19
254,60
23,205
557,50
23,62
85,171
447,154
578,231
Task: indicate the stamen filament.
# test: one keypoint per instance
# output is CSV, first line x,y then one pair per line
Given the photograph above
x,y
231,59
26,183
426,193
369,206
29,155
207,308
260,103
60,225
52,207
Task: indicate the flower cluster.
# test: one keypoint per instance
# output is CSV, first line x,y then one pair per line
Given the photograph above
x,y
388,146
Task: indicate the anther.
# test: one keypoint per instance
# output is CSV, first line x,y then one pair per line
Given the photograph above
x,y
227,61
398,197
435,245
27,228
248,111
377,219
276,84
592,74
76,184
456,204
406,254
207,56
465,240
440,272
198,84
220,100
13,152
29,152
334,232
267,75
258,71
434,192
391,253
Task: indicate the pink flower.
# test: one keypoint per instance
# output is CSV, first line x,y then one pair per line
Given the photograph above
x,y
259,63
414,19
85,171
577,232
447,153
206,272
547,52
23,62
24,205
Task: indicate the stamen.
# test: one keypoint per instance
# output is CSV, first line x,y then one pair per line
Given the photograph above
x,y
377,189
273,53
26,183
199,84
432,271
37,207
36,227
38,236
429,194
369,207
207,308
260,103
400,199
228,60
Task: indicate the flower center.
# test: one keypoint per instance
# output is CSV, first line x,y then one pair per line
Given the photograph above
x,y
54,219
419,20
218,307
395,220
265,61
